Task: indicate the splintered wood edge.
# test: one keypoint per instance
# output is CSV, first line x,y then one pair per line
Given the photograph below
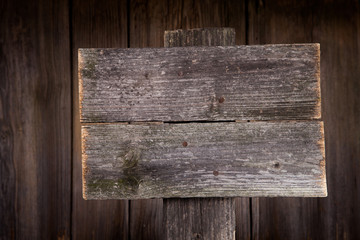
x,y
321,144
80,83
318,79
84,135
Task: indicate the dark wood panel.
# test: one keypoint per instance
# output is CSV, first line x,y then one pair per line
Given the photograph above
x,y
95,24
190,14
242,218
35,120
147,25
332,24
336,27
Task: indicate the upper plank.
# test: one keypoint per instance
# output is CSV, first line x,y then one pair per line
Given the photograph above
x,y
268,82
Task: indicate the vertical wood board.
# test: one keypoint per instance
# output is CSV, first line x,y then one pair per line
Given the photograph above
x,y
35,120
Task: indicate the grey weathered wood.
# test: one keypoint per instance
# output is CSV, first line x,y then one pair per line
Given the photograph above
x,y
181,216
203,160
270,82
200,37
200,218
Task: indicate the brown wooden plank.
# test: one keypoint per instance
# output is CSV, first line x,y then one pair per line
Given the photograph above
x,y
95,24
332,24
203,160
214,13
200,83
200,218
214,212
147,21
183,14
35,120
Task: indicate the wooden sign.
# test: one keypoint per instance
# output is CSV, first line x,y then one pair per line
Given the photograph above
x,y
202,122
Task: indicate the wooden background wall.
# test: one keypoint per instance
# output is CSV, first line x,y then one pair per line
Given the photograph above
x,y
40,167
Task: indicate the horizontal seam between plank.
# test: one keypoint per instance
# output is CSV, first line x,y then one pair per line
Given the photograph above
x,y
200,121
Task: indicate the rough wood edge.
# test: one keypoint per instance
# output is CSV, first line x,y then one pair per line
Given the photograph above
x,y
321,144
80,83
318,78
84,157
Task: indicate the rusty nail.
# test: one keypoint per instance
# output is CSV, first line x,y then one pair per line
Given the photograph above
x,y
215,173
180,74
221,100
185,144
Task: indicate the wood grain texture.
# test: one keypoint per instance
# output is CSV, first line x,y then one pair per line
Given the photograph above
x,y
200,218
187,14
147,23
218,159
185,84
338,214
95,24
332,24
215,14
180,214
200,37
191,14
243,218
35,120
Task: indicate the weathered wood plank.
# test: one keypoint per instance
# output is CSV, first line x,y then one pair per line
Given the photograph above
x,y
200,83
203,160
216,221
200,218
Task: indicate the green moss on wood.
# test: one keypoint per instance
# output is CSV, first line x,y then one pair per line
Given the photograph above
x,y
89,68
129,181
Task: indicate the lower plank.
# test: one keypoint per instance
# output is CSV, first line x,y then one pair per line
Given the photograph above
x,y
229,159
